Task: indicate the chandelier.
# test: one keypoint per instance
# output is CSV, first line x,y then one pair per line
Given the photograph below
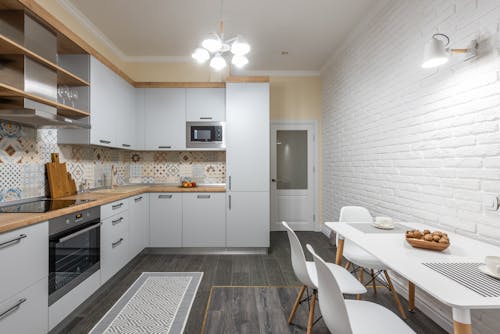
x,y
215,48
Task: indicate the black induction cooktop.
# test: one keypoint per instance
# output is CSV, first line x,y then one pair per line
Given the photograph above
x,y
42,205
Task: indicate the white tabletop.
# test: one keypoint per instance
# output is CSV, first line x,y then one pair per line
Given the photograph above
x,y
397,254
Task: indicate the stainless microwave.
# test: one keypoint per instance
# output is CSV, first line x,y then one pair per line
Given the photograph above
x,y
205,135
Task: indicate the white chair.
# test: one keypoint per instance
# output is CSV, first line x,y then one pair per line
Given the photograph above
x,y
351,316
306,274
360,258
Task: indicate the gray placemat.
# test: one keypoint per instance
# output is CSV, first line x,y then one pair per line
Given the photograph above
x,y
468,275
369,228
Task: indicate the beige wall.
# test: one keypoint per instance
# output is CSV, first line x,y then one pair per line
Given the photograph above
x,y
299,98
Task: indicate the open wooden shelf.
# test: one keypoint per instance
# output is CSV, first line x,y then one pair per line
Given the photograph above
x,y
64,77
63,110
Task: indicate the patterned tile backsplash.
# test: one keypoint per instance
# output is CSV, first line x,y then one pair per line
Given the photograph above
x,y
24,152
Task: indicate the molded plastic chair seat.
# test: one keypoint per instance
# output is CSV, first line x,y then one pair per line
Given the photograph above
x,y
347,283
357,255
368,317
351,316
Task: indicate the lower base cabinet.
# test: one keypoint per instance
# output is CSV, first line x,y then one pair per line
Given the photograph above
x,y
114,244
203,220
248,219
138,224
165,219
27,312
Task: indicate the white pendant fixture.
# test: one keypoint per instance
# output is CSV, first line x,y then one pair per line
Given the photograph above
x,y
215,48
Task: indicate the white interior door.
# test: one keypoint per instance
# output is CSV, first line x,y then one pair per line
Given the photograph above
x,y
292,175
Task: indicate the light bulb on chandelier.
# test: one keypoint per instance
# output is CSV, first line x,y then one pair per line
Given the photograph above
x,y
214,47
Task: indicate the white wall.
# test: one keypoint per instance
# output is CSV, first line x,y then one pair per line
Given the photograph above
x,y
418,145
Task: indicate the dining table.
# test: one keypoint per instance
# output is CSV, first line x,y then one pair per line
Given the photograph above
x,y
452,276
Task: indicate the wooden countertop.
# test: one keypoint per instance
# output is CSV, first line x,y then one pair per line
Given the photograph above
x,y
12,221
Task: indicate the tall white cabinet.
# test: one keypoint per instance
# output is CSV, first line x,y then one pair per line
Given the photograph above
x,y
247,155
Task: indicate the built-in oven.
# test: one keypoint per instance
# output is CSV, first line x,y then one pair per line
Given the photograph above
x,y
205,135
74,250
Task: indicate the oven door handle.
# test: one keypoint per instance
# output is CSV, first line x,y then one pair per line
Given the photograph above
x,y
77,233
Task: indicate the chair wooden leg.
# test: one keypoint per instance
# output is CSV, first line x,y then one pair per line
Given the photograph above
x,y
395,295
373,281
361,272
411,297
310,321
296,305
347,265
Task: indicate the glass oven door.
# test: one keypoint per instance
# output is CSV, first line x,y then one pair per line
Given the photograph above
x,y
73,256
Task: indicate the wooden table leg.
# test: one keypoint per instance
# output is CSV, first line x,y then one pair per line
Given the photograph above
x,y
411,296
462,321
460,328
340,251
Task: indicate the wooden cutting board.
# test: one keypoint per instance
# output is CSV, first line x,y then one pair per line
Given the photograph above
x,y
61,183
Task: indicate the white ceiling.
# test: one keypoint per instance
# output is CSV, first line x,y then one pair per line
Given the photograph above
x,y
169,30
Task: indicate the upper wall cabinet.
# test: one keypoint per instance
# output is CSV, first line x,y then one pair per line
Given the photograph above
x,y
206,104
165,119
112,111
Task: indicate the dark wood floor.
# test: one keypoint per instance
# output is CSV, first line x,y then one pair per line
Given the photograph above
x,y
274,269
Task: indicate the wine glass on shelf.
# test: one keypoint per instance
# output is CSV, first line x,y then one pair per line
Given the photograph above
x,y
73,96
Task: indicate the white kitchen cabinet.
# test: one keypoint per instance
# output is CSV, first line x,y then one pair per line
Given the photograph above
x,y
124,114
203,220
206,104
102,104
29,310
138,224
114,244
165,118
24,258
139,118
114,208
165,220
112,112
248,219
247,136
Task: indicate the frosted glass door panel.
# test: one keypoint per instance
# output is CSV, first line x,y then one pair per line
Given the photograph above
x,y
291,159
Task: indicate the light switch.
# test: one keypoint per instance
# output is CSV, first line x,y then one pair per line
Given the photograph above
x,y
491,203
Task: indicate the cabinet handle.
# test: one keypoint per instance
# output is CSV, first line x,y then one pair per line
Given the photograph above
x,y
77,233
117,221
165,196
12,308
203,196
138,199
125,145
229,202
104,141
229,182
116,243
205,117
164,146
12,241
116,206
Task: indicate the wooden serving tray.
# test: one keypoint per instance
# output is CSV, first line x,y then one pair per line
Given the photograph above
x,y
430,245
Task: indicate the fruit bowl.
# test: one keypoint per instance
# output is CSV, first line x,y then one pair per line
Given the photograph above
x,y
436,241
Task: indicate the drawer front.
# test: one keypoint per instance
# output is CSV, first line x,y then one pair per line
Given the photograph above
x,y
114,208
27,312
24,258
114,246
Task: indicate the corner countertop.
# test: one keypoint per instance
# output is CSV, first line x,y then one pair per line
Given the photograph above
x,y
12,221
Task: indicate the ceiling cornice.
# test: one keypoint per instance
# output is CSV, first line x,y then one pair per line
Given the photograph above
x,y
70,8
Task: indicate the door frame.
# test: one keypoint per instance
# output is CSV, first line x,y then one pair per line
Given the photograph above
x,y
314,124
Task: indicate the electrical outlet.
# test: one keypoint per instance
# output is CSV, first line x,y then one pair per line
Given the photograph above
x,y
491,203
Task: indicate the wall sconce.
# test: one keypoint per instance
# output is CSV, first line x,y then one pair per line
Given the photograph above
x,y
436,52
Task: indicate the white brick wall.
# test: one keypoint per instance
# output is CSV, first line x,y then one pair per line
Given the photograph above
x,y
418,145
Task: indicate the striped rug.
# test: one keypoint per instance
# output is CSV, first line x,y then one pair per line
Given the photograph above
x,y
157,302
